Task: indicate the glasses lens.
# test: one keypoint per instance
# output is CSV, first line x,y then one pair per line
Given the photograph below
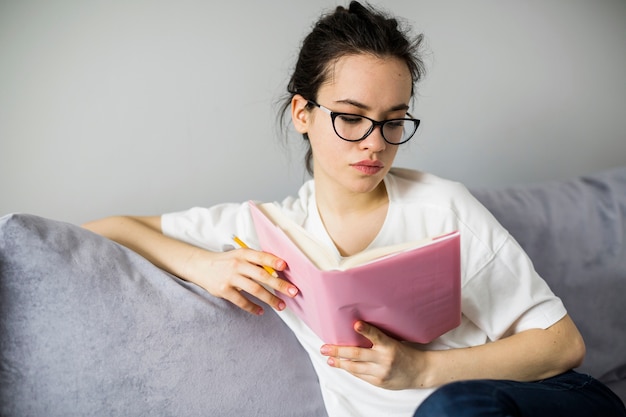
x,y
399,130
352,126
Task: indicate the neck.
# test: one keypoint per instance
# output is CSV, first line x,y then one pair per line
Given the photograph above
x,y
340,202
352,220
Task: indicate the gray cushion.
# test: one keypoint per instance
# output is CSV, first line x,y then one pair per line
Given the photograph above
x,y
90,328
575,233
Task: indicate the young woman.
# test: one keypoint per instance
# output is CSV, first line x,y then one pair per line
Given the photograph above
x,y
349,97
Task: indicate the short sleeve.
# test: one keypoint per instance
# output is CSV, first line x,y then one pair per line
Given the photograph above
x,y
211,228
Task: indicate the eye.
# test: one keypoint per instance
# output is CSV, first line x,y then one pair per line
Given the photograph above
x,y
350,118
395,124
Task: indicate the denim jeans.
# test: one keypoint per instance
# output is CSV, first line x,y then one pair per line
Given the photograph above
x,y
568,395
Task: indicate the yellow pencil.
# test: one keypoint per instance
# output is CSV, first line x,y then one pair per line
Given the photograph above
x,y
241,243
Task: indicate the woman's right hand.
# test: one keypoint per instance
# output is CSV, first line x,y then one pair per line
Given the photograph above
x,y
227,274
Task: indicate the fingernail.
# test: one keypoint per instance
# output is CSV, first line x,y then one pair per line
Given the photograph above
x,y
281,306
292,291
260,311
280,264
325,350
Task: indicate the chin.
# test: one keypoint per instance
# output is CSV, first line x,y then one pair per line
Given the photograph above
x,y
366,185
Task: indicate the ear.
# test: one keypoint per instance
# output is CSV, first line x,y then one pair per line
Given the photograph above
x,y
300,115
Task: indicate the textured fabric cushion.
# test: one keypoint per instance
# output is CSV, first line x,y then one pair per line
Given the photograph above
x,y
90,328
575,233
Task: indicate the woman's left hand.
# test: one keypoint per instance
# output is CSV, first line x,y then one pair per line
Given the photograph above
x,y
388,363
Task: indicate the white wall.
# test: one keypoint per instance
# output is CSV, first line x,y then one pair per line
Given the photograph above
x,y
144,107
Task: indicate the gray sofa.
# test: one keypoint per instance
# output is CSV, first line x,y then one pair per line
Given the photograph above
x,y
89,328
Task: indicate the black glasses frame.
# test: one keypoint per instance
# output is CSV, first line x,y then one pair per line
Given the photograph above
x,y
334,115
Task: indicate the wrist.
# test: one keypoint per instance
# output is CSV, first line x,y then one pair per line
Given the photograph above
x,y
426,377
191,266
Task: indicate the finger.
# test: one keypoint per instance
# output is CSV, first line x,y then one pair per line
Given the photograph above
x,y
354,367
230,288
255,289
243,303
265,259
360,362
263,276
281,285
352,353
371,333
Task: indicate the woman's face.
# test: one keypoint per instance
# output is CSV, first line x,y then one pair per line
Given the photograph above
x,y
360,84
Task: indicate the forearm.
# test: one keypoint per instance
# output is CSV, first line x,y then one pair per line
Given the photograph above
x,y
224,274
527,356
143,235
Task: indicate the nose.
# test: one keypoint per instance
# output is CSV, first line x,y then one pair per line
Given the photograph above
x,y
374,141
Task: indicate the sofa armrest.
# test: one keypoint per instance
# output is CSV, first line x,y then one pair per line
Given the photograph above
x,y
91,328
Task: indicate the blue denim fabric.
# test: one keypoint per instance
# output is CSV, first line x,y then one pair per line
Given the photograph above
x,y
568,395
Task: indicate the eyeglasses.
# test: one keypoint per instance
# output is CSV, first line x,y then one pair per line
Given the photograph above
x,y
355,128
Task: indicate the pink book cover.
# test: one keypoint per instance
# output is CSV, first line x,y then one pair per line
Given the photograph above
x,y
413,295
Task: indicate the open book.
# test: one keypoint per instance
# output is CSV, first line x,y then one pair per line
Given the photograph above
x,y
410,291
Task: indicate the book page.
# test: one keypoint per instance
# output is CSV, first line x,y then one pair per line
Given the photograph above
x,y
370,255
316,251
320,255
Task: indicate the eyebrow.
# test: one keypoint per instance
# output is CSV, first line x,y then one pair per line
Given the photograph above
x,y
367,108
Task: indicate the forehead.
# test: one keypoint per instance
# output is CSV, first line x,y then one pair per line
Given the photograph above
x,y
368,79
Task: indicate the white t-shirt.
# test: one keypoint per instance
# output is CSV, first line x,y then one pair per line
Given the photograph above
x,y
501,292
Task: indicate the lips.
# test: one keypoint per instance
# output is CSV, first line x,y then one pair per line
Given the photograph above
x,y
368,166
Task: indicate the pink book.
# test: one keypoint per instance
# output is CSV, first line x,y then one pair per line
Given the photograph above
x,y
411,291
